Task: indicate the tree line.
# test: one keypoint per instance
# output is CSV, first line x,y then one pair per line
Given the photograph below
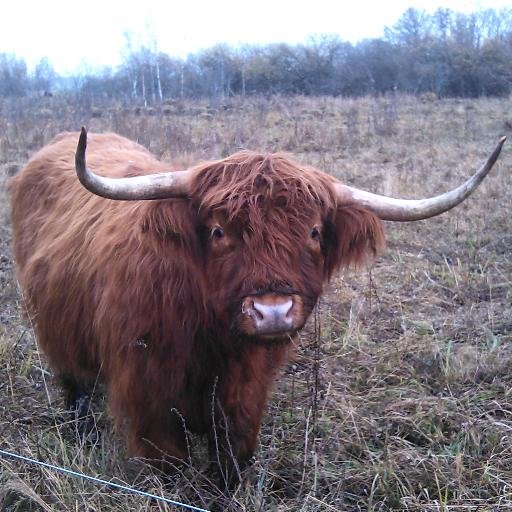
x,y
446,53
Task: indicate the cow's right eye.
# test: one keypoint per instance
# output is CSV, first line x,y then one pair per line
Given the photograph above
x,y
217,233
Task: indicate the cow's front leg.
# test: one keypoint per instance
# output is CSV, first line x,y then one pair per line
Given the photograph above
x,y
238,408
160,440
234,436
233,440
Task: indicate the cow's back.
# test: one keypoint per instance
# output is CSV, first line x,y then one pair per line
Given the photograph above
x,y
48,202
70,245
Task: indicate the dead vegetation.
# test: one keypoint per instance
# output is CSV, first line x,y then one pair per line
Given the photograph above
x,y
401,395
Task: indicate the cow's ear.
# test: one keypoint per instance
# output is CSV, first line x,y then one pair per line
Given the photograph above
x,y
169,224
352,235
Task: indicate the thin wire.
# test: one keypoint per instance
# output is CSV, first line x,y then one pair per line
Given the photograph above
x,y
99,480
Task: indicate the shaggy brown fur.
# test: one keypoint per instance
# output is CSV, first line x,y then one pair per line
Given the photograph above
x,y
147,294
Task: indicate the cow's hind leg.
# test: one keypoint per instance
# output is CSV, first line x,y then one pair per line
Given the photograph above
x,y
78,401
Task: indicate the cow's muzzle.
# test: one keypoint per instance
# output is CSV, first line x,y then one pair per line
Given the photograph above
x,y
271,314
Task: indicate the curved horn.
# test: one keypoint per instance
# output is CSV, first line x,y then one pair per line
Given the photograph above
x,y
152,186
402,210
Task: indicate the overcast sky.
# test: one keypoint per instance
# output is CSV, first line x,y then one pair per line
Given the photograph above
x,y
91,32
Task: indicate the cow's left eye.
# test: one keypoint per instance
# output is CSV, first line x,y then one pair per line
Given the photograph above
x,y
315,233
217,233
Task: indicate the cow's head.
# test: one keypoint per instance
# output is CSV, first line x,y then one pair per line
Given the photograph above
x,y
271,232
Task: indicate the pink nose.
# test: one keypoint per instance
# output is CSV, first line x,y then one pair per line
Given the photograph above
x,y
271,313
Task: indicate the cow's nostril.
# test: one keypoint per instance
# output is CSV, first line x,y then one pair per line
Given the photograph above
x,y
249,308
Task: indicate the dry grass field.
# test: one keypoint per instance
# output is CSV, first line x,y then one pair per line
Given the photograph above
x,y
400,397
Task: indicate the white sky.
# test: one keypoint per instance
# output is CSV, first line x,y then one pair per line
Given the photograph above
x,y
75,33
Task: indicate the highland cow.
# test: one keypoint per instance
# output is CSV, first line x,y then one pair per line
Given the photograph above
x,y
182,290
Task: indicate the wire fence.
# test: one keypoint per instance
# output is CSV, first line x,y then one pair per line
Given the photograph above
x,y
83,476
